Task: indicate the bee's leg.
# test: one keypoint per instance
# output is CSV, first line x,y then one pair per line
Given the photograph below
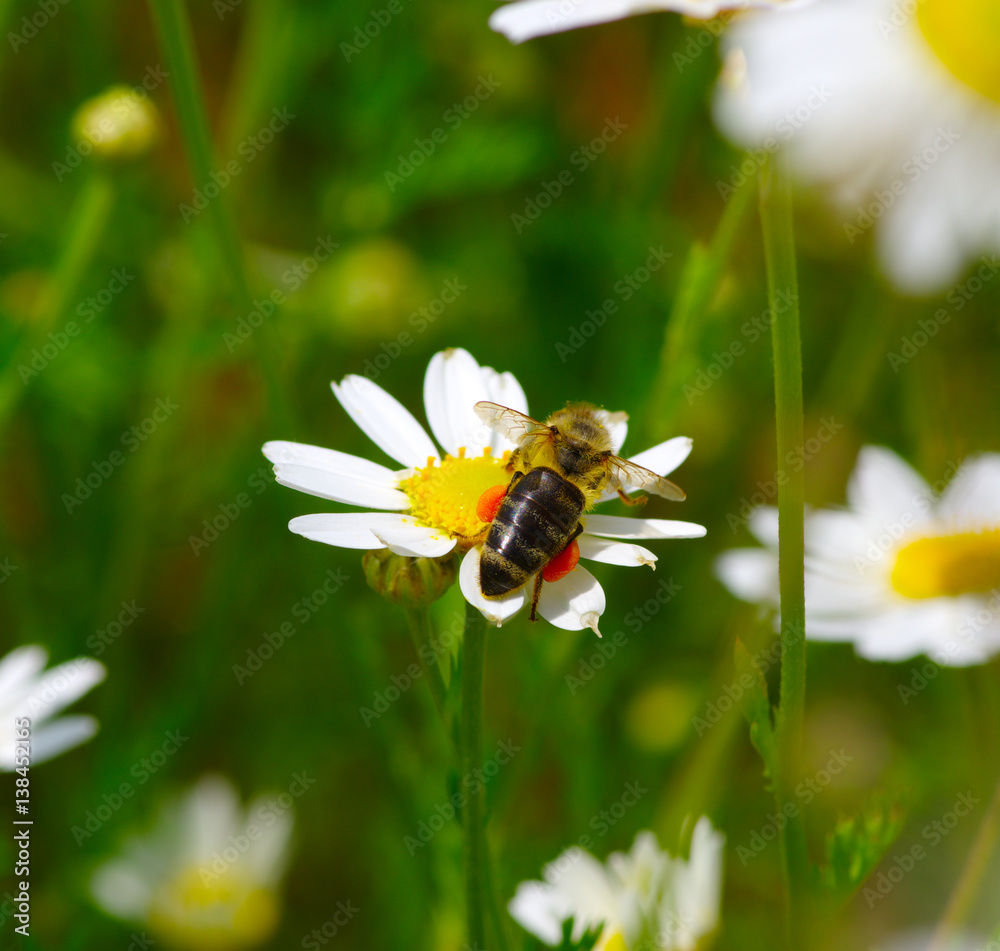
x,y
638,500
535,595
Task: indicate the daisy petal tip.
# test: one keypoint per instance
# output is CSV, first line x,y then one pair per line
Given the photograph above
x,y
591,619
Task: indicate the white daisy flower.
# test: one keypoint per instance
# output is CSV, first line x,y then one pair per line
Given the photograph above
x,y
526,19
643,898
901,571
28,690
895,106
432,504
207,876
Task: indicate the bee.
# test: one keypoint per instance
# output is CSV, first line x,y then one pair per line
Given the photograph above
x,y
561,468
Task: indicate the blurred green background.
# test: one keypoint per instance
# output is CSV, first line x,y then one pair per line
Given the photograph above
x,y
172,334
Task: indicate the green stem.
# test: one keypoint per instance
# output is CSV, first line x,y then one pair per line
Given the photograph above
x,y
87,220
971,879
495,907
698,285
779,252
473,667
418,620
174,32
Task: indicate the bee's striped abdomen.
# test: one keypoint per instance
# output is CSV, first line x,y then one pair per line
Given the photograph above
x,y
535,521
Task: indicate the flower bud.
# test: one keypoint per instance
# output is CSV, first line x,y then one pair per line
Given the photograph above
x,y
408,582
120,123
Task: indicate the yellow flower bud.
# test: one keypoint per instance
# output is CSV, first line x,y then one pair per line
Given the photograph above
x,y
120,123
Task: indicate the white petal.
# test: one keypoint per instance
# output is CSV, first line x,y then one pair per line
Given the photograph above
x,y
505,390
453,384
210,814
527,19
973,497
341,488
118,889
617,526
763,525
57,736
541,909
495,610
615,553
617,426
593,893
60,686
697,888
885,488
267,856
18,670
385,421
415,540
335,475
348,529
665,457
750,573
574,602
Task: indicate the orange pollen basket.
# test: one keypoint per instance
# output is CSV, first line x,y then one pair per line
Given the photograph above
x,y
562,564
489,503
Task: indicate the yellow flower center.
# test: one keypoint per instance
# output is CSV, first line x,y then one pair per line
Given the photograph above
x,y
965,36
616,943
214,912
949,565
444,495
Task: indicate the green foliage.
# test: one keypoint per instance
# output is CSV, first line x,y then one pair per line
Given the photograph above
x,y
856,845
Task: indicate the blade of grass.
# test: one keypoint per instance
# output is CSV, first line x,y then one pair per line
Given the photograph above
x,y
174,33
473,666
779,251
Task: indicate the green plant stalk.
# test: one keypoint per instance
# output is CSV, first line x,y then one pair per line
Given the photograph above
x,y
698,284
87,220
470,756
174,33
971,879
418,620
779,252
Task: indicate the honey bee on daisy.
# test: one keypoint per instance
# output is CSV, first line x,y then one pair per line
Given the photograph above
x,y
498,464
560,469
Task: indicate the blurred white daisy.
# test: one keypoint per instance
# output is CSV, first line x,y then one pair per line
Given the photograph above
x,y
28,690
207,876
526,19
644,898
901,571
907,137
432,504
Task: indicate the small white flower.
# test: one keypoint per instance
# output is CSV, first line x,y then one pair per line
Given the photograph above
x,y
644,897
895,107
432,503
902,571
25,691
207,876
526,19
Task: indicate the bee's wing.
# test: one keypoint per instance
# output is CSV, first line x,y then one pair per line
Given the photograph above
x,y
627,475
510,423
